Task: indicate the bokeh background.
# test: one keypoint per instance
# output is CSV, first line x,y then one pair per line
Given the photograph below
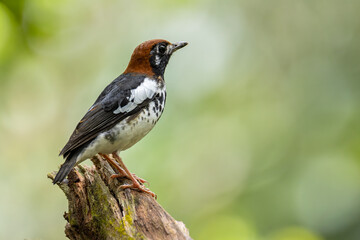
x,y
260,136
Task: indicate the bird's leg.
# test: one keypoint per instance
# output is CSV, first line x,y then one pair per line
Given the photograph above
x,y
135,184
122,165
122,173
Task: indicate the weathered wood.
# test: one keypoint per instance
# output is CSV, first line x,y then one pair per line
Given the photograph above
x,y
100,209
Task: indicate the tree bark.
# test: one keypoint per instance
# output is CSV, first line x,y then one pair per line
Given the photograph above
x,y
100,209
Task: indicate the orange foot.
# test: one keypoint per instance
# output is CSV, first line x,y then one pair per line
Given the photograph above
x,y
136,181
141,188
140,180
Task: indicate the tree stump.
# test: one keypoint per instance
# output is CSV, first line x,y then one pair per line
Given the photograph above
x,y
100,209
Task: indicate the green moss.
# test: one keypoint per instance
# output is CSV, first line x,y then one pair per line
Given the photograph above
x,y
128,216
102,211
73,221
101,206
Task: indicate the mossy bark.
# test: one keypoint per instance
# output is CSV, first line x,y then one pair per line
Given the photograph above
x,y
100,209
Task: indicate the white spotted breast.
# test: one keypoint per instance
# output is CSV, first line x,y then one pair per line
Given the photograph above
x,y
133,128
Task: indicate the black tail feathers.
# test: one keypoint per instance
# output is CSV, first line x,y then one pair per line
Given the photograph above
x,y
66,167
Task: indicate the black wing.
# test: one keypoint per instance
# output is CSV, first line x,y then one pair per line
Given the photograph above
x,y
101,117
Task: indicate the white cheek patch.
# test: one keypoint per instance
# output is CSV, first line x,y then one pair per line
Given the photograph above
x,y
145,90
169,49
157,60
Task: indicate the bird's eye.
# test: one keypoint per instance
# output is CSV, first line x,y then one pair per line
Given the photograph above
x,y
162,49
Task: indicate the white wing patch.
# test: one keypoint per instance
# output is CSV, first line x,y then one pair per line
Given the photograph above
x,y
146,90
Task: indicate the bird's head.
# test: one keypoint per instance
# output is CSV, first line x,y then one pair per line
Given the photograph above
x,y
151,57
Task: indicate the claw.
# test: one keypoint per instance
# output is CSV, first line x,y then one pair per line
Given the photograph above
x,y
137,182
139,188
140,180
117,176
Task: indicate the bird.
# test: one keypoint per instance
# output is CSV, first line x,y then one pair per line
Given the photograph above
x,y
124,112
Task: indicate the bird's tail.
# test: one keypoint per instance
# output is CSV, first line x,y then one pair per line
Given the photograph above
x,y
66,167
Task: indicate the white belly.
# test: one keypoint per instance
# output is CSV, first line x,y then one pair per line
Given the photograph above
x,y
125,134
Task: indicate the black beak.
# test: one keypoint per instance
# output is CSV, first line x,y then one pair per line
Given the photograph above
x,y
177,46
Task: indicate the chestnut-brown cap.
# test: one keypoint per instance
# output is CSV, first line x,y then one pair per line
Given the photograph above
x,y
140,59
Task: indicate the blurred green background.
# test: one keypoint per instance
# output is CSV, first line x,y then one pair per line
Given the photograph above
x,y
260,136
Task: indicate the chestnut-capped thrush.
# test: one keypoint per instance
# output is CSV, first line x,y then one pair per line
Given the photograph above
x,y
126,110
